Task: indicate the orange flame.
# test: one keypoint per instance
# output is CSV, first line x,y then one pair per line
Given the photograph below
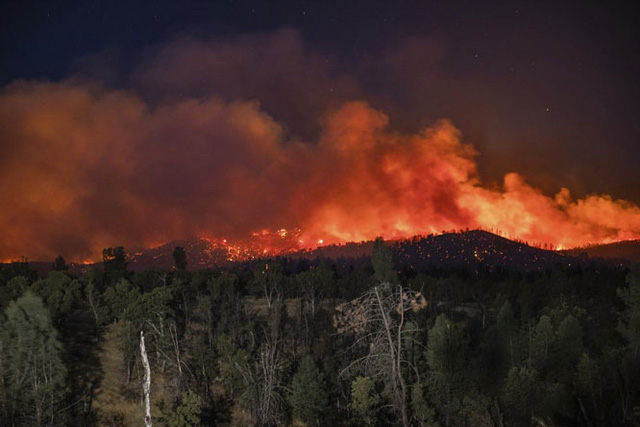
x,y
402,185
84,168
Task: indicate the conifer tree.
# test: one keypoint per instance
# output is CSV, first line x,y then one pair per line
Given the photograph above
x,y
381,258
308,397
33,376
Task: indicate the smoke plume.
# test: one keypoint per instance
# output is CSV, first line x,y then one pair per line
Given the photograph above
x,y
83,167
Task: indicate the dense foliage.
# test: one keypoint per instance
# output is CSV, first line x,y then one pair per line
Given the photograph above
x,y
297,342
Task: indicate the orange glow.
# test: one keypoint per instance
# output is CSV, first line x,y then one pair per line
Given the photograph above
x,y
85,168
398,186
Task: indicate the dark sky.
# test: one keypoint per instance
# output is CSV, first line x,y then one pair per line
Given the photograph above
x,y
545,89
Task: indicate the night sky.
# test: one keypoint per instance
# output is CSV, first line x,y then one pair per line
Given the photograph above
x,y
547,90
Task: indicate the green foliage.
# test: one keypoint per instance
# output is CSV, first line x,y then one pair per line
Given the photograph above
x,y
508,329
569,344
315,282
150,311
269,281
115,265
445,349
187,412
59,292
15,269
198,343
308,398
629,329
629,325
95,301
14,288
587,377
446,357
381,258
364,400
152,306
231,361
552,399
545,351
122,299
543,340
423,413
33,375
474,411
519,395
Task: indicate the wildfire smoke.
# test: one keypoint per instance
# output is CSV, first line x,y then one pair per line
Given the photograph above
x,y
83,167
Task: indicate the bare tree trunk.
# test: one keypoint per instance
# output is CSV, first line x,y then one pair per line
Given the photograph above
x,y
146,384
93,304
530,344
176,345
396,377
403,388
584,412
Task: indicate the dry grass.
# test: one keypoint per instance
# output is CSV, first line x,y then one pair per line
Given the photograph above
x,y
118,403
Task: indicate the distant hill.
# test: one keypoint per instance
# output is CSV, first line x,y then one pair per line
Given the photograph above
x,y
628,250
347,250
470,249
201,253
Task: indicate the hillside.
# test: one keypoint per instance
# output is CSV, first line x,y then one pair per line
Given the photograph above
x,y
470,250
628,250
451,250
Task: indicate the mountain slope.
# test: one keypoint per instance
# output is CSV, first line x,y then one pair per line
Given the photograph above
x,y
471,249
468,249
628,250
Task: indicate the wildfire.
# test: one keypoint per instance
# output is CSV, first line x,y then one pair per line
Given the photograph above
x,y
115,176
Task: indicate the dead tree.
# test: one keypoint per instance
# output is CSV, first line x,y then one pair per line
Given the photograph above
x,y
146,383
263,385
377,319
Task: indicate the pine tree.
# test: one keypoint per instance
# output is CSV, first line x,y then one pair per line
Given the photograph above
x,y
186,413
381,258
308,398
180,258
519,395
446,355
629,328
33,373
364,400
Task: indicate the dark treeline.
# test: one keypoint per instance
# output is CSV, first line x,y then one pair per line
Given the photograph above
x,y
298,342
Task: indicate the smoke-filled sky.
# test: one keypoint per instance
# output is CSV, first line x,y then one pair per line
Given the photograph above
x,y
134,124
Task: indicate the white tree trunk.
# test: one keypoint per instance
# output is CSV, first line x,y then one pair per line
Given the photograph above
x,y
146,384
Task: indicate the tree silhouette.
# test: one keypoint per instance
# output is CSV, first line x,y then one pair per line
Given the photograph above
x,y
114,262
180,258
60,264
381,258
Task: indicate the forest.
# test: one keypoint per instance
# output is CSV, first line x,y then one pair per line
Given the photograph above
x,y
320,342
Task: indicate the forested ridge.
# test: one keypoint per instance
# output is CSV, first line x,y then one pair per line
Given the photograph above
x,y
321,342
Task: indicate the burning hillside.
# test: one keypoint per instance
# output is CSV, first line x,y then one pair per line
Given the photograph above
x,y
85,168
